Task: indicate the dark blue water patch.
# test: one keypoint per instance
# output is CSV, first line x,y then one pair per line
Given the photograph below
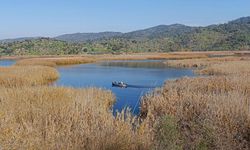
x,y
7,63
140,80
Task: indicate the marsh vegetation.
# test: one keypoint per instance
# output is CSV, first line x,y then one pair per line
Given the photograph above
x,y
210,112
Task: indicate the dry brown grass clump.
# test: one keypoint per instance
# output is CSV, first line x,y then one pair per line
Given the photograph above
x,y
35,62
202,62
64,118
54,61
203,112
212,112
17,76
145,56
71,60
227,68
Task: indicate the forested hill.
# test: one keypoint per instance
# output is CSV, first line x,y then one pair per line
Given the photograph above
x,y
85,37
234,35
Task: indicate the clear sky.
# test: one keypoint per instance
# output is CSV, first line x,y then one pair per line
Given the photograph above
x,y
22,18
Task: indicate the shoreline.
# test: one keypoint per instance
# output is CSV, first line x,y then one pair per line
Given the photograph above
x,y
132,56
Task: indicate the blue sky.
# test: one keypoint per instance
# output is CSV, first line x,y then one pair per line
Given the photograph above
x,y
22,18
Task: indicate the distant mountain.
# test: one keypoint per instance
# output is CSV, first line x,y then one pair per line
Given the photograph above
x,y
84,37
18,39
160,31
242,20
234,35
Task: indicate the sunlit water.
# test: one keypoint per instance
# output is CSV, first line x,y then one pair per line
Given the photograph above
x,y
142,77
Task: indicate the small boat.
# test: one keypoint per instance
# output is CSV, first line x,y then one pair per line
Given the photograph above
x,y
119,84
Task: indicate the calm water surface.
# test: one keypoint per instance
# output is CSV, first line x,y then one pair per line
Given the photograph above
x,y
142,76
6,63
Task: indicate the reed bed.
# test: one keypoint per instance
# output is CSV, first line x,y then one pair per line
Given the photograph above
x,y
65,118
202,62
17,76
203,112
151,56
35,62
227,68
55,61
71,60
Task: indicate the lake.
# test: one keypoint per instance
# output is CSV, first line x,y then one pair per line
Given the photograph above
x,y
141,76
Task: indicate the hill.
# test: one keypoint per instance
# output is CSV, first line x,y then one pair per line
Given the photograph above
x,y
85,37
40,46
160,31
234,35
18,39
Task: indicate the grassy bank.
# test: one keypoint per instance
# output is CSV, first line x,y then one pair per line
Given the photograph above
x,y
57,61
17,76
128,56
203,112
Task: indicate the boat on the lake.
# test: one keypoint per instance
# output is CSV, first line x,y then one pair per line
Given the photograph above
x,y
119,84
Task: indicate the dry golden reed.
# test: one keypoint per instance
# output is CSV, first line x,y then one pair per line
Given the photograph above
x,y
202,62
209,112
54,61
227,68
17,76
35,62
65,118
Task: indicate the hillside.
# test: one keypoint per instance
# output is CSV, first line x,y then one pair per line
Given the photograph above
x,y
160,31
41,46
234,35
18,39
84,37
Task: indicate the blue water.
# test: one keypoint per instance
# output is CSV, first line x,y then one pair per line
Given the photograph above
x,y
141,80
6,63
142,76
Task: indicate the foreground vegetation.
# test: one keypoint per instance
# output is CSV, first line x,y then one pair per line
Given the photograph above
x,y
200,113
64,118
211,112
204,112
36,116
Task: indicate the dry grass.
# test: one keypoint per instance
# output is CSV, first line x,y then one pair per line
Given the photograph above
x,y
17,76
64,118
76,59
209,112
227,68
35,62
145,56
52,62
214,66
70,60
202,62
